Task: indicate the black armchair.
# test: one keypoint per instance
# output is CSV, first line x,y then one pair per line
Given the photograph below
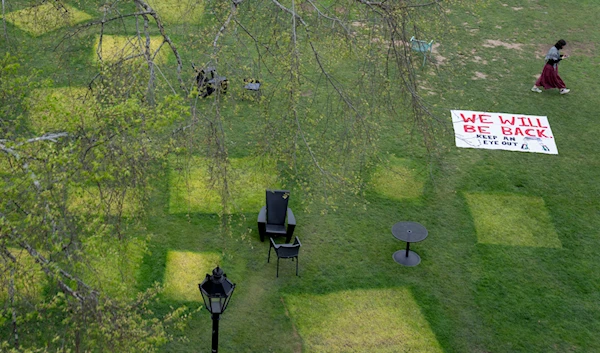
x,y
285,251
271,219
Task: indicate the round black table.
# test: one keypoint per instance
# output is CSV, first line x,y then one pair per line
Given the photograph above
x,y
410,232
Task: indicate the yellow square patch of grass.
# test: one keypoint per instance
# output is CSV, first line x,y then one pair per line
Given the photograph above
x,y
366,320
114,266
88,200
40,19
179,11
398,179
512,220
60,109
185,270
28,277
116,48
191,190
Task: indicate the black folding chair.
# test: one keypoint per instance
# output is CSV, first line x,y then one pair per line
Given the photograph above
x,y
285,251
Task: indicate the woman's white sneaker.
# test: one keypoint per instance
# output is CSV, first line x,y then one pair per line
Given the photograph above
x,y
536,89
564,90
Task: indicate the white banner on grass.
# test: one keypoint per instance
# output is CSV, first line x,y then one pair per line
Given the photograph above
x,y
503,131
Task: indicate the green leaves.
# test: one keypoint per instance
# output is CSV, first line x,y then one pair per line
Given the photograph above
x,y
75,169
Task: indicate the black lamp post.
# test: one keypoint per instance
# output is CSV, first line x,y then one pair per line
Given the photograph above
x,y
216,291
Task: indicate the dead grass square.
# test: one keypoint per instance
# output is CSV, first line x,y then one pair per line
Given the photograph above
x,y
117,48
398,179
513,220
365,320
179,11
185,270
40,19
191,190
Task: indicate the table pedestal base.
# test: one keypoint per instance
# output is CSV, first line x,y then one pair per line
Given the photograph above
x,y
413,259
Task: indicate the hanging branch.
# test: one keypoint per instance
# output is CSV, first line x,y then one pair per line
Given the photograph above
x,y
291,12
11,296
234,6
51,269
328,77
53,137
332,19
48,137
4,22
149,59
11,293
420,110
146,10
46,265
102,22
166,38
338,89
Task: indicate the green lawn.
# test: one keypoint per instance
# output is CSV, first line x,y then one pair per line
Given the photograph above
x,y
511,262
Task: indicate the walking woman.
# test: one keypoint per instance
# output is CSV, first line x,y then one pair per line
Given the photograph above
x,y
550,78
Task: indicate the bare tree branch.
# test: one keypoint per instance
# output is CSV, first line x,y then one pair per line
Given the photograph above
x,y
4,22
51,269
226,23
291,12
16,155
166,37
53,136
333,19
11,291
149,59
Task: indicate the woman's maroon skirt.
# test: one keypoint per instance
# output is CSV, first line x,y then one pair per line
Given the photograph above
x,y
550,78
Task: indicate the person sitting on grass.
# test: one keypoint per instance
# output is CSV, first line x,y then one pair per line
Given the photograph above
x,y
549,78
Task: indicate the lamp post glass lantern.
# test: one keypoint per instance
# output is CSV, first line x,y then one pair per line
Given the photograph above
x,y
216,292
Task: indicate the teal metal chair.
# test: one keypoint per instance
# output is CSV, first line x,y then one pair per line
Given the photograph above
x,y
422,47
